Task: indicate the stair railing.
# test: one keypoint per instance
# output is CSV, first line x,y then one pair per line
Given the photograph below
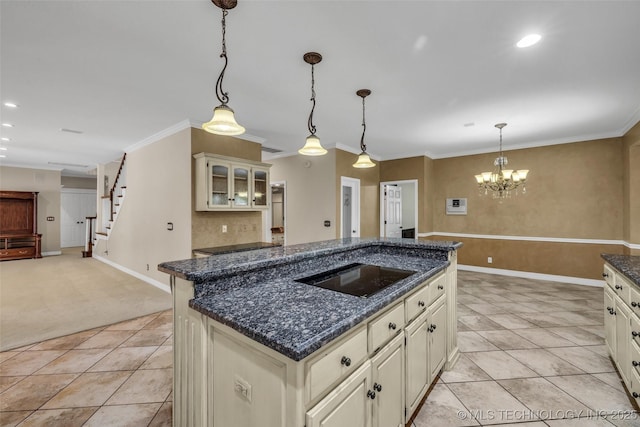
x,y
115,185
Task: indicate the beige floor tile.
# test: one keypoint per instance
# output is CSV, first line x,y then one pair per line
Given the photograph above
x,y
463,310
147,337
74,361
510,321
479,323
545,363
464,370
517,308
543,337
578,335
486,308
32,392
587,360
593,393
124,359
144,386
506,340
488,402
500,365
164,416
443,409
13,418
602,350
471,341
123,415
574,318
594,329
6,355
7,382
75,417
543,320
163,321
106,339
27,362
531,424
612,379
580,422
133,324
162,358
543,398
89,389
67,342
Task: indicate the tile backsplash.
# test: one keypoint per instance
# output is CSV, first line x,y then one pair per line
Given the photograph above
x,y
242,227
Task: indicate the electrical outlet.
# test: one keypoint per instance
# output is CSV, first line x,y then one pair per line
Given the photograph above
x,y
490,260
147,267
224,228
243,388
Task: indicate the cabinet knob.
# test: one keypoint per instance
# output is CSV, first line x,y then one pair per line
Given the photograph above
x,y
440,287
392,326
634,333
618,287
605,274
635,395
371,394
433,327
377,387
345,361
635,363
634,304
421,303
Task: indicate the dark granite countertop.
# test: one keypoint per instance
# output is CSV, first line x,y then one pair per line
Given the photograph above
x,y
629,265
256,292
219,250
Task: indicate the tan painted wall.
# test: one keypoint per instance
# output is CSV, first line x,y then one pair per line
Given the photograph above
x,y
631,156
47,183
369,193
158,179
78,182
242,227
311,196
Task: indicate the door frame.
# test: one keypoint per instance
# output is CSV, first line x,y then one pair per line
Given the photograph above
x,y
415,195
354,183
267,217
76,191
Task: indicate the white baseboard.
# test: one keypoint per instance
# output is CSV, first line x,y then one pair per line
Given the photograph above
x,y
135,274
536,276
51,253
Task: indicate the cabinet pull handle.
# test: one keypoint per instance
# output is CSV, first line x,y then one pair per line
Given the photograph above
x,y
440,287
605,274
635,395
421,303
371,394
392,326
619,287
377,387
635,363
345,361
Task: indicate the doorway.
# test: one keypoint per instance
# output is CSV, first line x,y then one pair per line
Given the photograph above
x,y
277,227
349,207
399,209
75,206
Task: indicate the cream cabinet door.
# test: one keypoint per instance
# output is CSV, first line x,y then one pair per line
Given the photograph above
x,y
437,338
349,404
623,340
610,320
261,188
241,185
417,362
388,384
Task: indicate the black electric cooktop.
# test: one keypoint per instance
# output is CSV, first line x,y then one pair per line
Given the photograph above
x,y
357,279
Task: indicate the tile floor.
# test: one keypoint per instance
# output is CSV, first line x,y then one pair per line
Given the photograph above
x,y
533,353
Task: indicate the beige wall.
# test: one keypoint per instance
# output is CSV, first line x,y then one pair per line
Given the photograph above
x,y
78,182
47,184
242,227
369,193
631,206
158,179
310,197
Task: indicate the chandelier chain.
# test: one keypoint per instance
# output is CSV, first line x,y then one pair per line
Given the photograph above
x,y
310,124
223,96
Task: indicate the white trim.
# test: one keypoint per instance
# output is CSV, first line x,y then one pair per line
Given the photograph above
x,y
185,124
79,190
536,276
631,245
354,183
531,238
50,253
135,274
416,200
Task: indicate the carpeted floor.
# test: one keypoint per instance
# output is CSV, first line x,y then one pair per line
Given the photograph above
x,y
59,295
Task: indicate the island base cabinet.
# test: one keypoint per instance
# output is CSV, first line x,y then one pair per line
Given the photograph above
x,y
348,404
623,341
437,338
417,350
388,384
610,321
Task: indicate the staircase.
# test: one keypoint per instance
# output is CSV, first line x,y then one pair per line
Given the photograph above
x,y
112,203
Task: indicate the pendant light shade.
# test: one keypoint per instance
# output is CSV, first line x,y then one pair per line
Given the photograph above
x,y
223,121
364,161
312,146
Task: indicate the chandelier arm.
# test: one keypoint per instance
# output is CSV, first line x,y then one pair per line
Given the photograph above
x,y
223,96
310,125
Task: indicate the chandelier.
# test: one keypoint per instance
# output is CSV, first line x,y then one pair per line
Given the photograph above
x,y
364,161
223,121
502,182
312,145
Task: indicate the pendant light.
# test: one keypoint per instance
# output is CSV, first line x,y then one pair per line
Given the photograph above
x,y
223,121
364,161
312,146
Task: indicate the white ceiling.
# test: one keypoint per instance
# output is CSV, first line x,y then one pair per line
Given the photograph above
x,y
121,71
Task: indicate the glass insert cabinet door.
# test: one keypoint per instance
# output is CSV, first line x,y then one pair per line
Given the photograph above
x,y
219,196
240,187
260,187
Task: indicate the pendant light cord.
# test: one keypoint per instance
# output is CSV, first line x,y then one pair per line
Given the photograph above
x,y
363,147
310,124
223,96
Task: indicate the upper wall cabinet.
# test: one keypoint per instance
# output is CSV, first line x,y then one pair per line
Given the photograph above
x,y
226,183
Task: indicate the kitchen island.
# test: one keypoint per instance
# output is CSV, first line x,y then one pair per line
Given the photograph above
x,y
254,346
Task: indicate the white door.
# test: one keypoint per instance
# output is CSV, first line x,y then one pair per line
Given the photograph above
x,y
393,211
74,208
350,207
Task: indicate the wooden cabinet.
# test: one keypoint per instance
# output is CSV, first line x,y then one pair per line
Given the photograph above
x,y
225,183
19,236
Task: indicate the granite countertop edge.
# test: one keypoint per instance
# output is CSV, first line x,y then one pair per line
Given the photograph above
x,y
628,265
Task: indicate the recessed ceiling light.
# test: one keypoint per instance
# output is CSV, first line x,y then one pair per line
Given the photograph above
x,y
10,105
4,138
7,125
3,148
74,165
529,40
2,155
71,130
467,125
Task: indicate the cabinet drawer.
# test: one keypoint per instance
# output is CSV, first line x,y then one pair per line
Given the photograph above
x,y
608,275
386,327
416,303
18,252
335,362
621,287
436,288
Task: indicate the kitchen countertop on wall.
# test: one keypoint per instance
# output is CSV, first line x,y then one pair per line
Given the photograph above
x,y
629,265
